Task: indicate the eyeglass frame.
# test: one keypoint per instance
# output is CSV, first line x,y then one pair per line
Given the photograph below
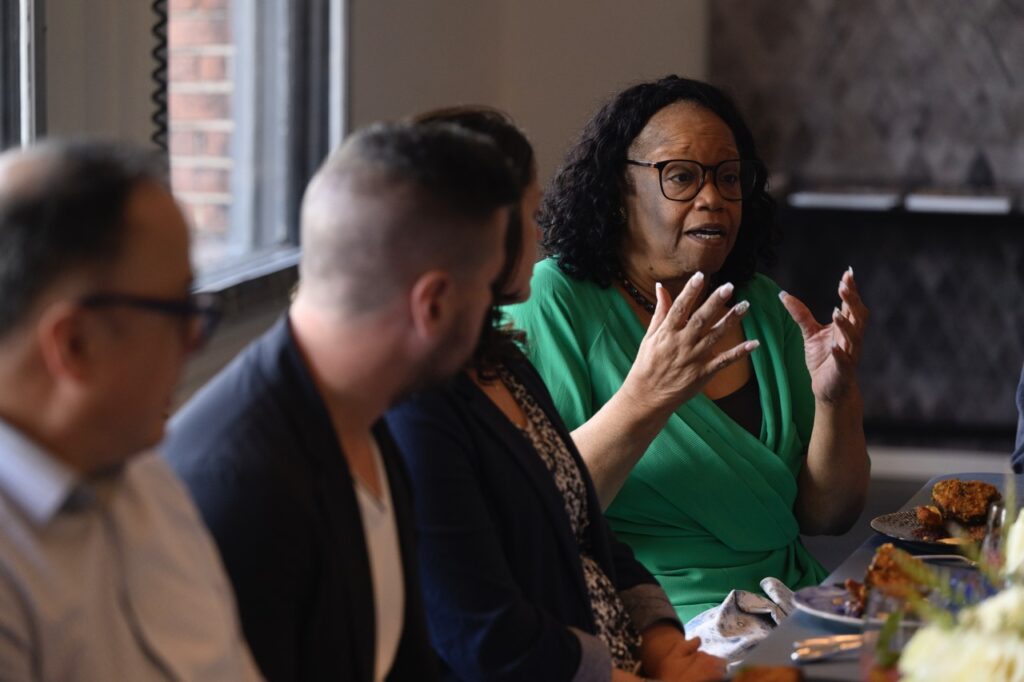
x,y
759,170
203,305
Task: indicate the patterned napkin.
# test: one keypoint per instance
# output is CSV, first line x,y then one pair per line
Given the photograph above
x,y
730,629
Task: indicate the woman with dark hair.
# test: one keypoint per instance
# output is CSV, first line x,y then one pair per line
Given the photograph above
x,y
710,457
522,580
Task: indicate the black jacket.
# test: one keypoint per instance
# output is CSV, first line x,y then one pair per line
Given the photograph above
x,y
501,569
259,454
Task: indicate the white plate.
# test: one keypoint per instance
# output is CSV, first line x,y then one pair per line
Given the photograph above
x,y
828,602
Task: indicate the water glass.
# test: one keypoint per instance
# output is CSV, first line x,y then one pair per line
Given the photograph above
x,y
992,545
887,628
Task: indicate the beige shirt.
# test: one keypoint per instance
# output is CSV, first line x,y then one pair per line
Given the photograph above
x,y
113,578
381,533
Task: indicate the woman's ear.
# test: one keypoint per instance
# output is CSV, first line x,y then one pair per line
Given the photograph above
x,y
64,337
431,303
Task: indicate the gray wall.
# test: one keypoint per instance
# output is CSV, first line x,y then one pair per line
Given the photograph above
x,y
900,93
889,91
549,64
98,68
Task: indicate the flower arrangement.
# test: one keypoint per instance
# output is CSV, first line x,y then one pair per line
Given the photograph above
x,y
984,641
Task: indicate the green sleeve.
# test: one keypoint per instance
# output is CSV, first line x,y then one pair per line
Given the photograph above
x,y
556,341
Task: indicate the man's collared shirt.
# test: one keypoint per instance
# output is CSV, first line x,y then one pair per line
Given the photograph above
x,y
110,578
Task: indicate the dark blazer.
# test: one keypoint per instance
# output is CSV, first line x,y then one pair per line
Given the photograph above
x,y
502,577
259,454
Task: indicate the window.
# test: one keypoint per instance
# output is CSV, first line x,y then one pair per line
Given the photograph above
x,y
21,40
254,105
9,80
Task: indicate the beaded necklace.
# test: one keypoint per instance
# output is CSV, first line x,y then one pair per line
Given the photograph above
x,y
631,289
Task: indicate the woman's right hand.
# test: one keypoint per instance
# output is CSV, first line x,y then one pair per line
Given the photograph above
x,y
678,354
677,357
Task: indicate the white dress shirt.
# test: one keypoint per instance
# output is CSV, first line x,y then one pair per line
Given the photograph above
x,y
385,567
110,578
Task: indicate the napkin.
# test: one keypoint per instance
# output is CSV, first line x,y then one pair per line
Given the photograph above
x,y
733,627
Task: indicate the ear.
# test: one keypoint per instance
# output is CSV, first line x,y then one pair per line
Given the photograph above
x,y
64,336
431,304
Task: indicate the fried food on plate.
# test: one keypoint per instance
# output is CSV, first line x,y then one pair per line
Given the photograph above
x,y
929,516
959,508
885,574
964,501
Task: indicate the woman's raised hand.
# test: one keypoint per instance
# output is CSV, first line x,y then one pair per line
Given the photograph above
x,y
832,350
679,353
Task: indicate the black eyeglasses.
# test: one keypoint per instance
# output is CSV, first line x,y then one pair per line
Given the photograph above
x,y
202,311
683,179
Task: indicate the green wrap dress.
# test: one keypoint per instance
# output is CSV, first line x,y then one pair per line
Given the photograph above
x,y
709,507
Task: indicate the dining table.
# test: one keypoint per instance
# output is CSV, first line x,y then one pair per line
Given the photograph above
x,y
778,646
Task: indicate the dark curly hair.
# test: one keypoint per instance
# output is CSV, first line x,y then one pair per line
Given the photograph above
x,y
582,213
498,341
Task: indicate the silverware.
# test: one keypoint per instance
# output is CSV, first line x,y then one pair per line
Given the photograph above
x,y
826,639
941,558
818,648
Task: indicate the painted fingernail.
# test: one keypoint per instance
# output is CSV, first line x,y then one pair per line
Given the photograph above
x,y
657,286
725,291
698,277
849,269
782,294
741,307
752,345
835,313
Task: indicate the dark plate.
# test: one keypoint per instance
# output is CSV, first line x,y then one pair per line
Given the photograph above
x,y
904,526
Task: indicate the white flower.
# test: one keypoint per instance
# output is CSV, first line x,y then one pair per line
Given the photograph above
x,y
1003,612
987,643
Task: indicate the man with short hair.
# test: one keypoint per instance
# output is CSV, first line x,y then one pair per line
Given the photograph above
x,y
285,451
106,570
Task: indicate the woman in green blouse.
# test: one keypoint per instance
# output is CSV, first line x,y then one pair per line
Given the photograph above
x,y
719,420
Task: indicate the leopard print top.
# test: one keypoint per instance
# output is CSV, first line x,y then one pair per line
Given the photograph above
x,y
613,624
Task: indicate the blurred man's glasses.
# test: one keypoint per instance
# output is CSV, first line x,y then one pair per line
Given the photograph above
x,y
683,179
201,311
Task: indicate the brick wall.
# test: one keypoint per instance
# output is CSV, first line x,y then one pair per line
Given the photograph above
x,y
201,124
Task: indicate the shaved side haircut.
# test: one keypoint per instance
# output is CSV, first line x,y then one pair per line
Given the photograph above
x,y
395,201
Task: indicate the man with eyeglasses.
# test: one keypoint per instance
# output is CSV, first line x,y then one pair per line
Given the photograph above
x,y
285,451
106,571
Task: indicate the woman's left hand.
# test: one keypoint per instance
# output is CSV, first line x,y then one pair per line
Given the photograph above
x,y
667,655
832,351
